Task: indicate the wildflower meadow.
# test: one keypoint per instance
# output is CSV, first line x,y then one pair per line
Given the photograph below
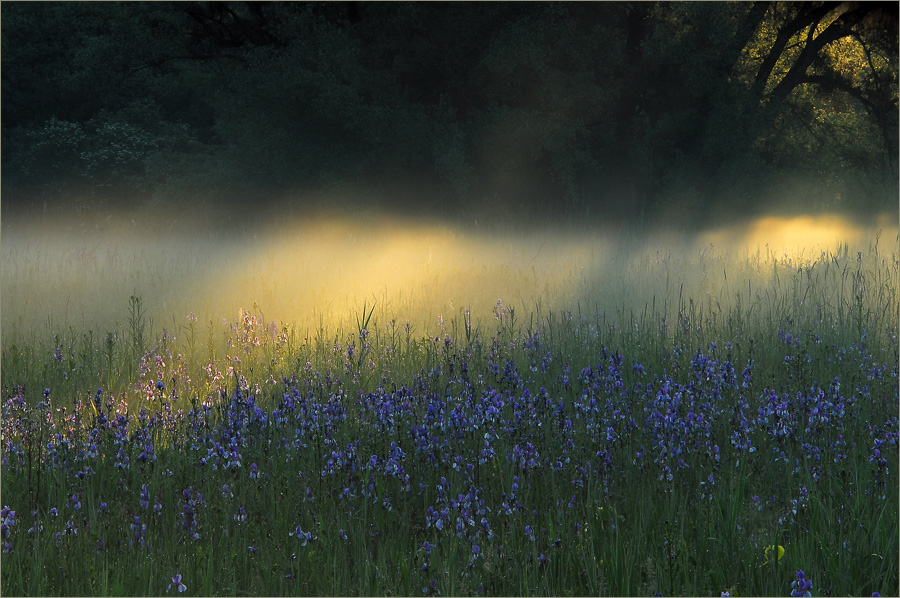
x,y
735,438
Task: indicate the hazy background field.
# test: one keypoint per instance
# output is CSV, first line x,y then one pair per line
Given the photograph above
x,y
77,271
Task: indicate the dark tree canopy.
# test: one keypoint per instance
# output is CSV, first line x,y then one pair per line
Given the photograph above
x,y
576,109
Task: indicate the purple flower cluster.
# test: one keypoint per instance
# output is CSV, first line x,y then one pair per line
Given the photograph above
x,y
190,506
472,455
7,523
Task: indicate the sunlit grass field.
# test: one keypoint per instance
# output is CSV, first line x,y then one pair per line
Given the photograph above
x,y
377,408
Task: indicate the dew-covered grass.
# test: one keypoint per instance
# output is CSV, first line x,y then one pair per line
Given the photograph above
x,y
655,429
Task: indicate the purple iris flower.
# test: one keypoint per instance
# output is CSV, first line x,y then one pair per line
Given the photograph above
x,y
801,586
176,581
301,535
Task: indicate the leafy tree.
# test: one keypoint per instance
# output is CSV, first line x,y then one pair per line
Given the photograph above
x,y
583,108
718,98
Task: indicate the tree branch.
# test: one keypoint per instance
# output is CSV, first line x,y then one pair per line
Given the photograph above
x,y
831,83
804,18
841,27
867,52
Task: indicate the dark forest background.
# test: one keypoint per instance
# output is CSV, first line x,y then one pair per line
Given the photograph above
x,y
557,110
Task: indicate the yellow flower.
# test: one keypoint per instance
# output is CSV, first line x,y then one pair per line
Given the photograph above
x,y
772,549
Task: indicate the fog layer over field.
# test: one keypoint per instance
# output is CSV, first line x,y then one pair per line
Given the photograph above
x,y
321,269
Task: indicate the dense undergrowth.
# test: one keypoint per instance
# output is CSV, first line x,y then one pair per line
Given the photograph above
x,y
686,447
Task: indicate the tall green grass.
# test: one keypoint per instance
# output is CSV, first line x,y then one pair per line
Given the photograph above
x,y
572,392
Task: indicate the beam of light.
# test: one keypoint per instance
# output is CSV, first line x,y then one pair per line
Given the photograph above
x,y
800,237
322,271
313,272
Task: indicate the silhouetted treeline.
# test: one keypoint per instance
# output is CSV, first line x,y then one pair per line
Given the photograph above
x,y
586,109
